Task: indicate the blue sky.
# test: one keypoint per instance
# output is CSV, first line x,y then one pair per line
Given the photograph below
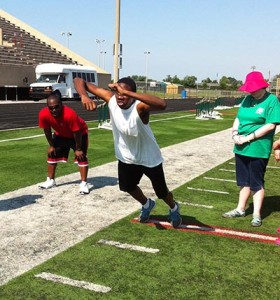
x,y
202,38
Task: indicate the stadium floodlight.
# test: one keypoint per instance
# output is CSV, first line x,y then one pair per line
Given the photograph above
x,y
147,53
99,42
68,34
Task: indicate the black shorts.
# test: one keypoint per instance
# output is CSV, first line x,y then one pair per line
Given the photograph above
x,y
250,171
130,176
62,148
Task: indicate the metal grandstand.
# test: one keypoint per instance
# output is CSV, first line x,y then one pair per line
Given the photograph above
x,y
22,48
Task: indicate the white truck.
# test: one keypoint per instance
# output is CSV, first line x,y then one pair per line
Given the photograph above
x,y
52,76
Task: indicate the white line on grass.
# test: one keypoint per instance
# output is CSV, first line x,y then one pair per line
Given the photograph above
x,y
76,283
273,167
268,167
92,128
14,129
225,170
219,179
167,119
194,204
128,246
22,138
210,191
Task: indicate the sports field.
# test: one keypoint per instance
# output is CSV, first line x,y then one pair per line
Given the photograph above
x,y
207,258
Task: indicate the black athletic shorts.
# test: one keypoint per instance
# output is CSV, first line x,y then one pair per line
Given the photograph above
x,y
130,176
250,171
62,148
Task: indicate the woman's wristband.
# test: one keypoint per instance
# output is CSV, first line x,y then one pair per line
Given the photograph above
x,y
253,137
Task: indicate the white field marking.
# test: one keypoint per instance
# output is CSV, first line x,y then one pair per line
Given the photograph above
x,y
76,283
31,137
220,231
13,129
268,167
194,204
167,119
219,179
273,167
210,191
128,246
225,170
23,138
92,128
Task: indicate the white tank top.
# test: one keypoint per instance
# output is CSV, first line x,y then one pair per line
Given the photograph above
x,y
134,141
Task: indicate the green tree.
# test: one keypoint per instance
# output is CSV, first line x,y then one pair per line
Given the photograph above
x,y
174,79
189,81
224,83
168,79
138,78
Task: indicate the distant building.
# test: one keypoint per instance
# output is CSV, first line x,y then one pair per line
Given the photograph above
x,y
172,88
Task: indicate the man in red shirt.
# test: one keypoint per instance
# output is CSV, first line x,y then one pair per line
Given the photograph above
x,y
70,131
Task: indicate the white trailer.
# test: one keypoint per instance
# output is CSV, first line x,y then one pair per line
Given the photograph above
x,y
51,77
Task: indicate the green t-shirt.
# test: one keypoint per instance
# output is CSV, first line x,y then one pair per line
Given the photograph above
x,y
252,115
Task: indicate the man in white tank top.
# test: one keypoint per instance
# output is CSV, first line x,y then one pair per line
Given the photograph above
x,y
135,146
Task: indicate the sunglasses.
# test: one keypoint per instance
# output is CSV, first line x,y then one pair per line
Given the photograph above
x,y
54,107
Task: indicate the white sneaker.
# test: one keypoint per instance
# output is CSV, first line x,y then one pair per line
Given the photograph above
x,y
84,188
49,183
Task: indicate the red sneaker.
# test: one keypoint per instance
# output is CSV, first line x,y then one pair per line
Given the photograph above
x,y
278,229
277,242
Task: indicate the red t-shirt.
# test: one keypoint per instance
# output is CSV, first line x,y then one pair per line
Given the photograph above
x,y
64,126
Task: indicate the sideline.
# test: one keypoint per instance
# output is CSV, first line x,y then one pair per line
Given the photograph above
x,y
90,128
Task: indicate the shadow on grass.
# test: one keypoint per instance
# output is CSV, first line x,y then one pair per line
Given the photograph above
x,y
271,204
18,202
186,220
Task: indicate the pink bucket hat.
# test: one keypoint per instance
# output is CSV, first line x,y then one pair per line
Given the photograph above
x,y
254,82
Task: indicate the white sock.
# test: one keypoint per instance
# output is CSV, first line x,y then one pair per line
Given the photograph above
x,y
174,208
146,205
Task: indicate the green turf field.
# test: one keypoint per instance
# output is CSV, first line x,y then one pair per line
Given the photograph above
x,y
189,264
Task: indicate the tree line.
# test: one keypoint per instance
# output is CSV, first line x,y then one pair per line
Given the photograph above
x,y
224,83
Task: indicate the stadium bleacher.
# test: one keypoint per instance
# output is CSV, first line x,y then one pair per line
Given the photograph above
x,y
22,48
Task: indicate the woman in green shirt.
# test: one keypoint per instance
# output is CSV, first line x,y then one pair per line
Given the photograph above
x,y
252,132
276,148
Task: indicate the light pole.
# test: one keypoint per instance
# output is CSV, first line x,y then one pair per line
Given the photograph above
x,y
117,55
147,53
103,53
68,34
99,42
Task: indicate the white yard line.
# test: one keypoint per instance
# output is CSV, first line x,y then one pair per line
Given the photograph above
x,y
219,179
128,246
268,167
76,283
195,204
209,191
22,138
226,170
90,128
